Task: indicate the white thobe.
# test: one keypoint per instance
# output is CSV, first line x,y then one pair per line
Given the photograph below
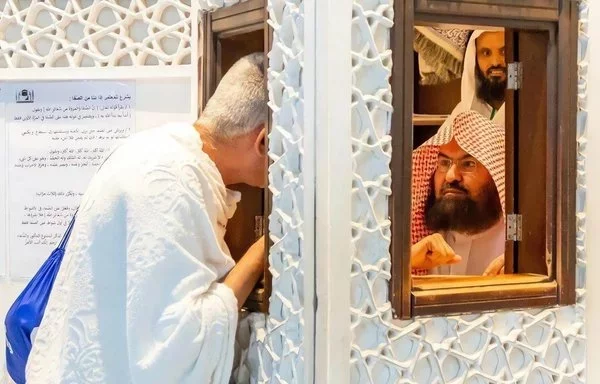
x,y
138,297
477,251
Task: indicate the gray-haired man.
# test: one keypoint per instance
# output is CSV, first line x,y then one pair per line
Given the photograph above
x,y
148,292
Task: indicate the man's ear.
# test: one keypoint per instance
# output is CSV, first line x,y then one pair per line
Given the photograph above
x,y
260,141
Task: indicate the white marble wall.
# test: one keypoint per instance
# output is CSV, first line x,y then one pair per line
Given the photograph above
x,y
84,33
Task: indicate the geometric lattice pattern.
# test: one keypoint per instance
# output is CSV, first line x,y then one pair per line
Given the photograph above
x,y
275,352
88,33
285,323
542,346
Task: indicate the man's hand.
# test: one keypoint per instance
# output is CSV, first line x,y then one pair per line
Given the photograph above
x,y
496,267
246,273
432,251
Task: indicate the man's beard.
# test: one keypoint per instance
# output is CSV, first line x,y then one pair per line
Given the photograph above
x,y
463,214
490,88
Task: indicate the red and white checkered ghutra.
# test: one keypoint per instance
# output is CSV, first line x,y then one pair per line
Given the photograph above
x,y
476,135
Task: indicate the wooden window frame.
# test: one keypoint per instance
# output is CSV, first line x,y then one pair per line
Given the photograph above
x,y
507,9
238,19
512,291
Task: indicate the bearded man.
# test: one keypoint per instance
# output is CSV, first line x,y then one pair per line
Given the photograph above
x,y
484,77
457,225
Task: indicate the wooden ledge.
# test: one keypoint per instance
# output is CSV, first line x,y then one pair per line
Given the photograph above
x,y
432,282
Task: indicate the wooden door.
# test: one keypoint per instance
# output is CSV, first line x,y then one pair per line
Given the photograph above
x,y
532,120
230,34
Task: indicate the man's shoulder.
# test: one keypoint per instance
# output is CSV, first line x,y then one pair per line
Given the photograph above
x,y
166,131
171,145
175,138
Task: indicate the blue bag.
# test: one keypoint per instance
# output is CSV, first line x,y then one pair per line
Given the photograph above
x,y
25,315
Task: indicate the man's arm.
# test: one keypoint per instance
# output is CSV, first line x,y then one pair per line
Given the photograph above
x,y
180,320
246,273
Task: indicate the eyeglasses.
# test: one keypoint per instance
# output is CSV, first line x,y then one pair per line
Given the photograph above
x,y
464,166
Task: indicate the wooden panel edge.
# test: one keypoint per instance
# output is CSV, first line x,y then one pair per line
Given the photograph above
x,y
401,163
207,59
433,282
566,257
483,294
477,10
238,8
252,17
423,18
451,309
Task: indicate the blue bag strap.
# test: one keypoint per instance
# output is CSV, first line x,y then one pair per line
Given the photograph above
x,y
67,234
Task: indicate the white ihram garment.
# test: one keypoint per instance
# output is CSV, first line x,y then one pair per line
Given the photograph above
x,y
138,297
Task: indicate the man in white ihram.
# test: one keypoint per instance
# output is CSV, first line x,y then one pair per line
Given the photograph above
x,y
147,291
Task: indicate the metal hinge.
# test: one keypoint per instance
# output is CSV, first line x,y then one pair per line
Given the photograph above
x,y
259,226
515,75
513,227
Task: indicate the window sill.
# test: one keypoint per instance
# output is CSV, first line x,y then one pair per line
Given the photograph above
x,y
433,282
516,292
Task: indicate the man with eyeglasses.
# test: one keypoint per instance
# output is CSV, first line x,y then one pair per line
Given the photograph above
x,y
457,223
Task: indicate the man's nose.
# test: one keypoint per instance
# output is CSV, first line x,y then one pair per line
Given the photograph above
x,y
453,174
498,60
